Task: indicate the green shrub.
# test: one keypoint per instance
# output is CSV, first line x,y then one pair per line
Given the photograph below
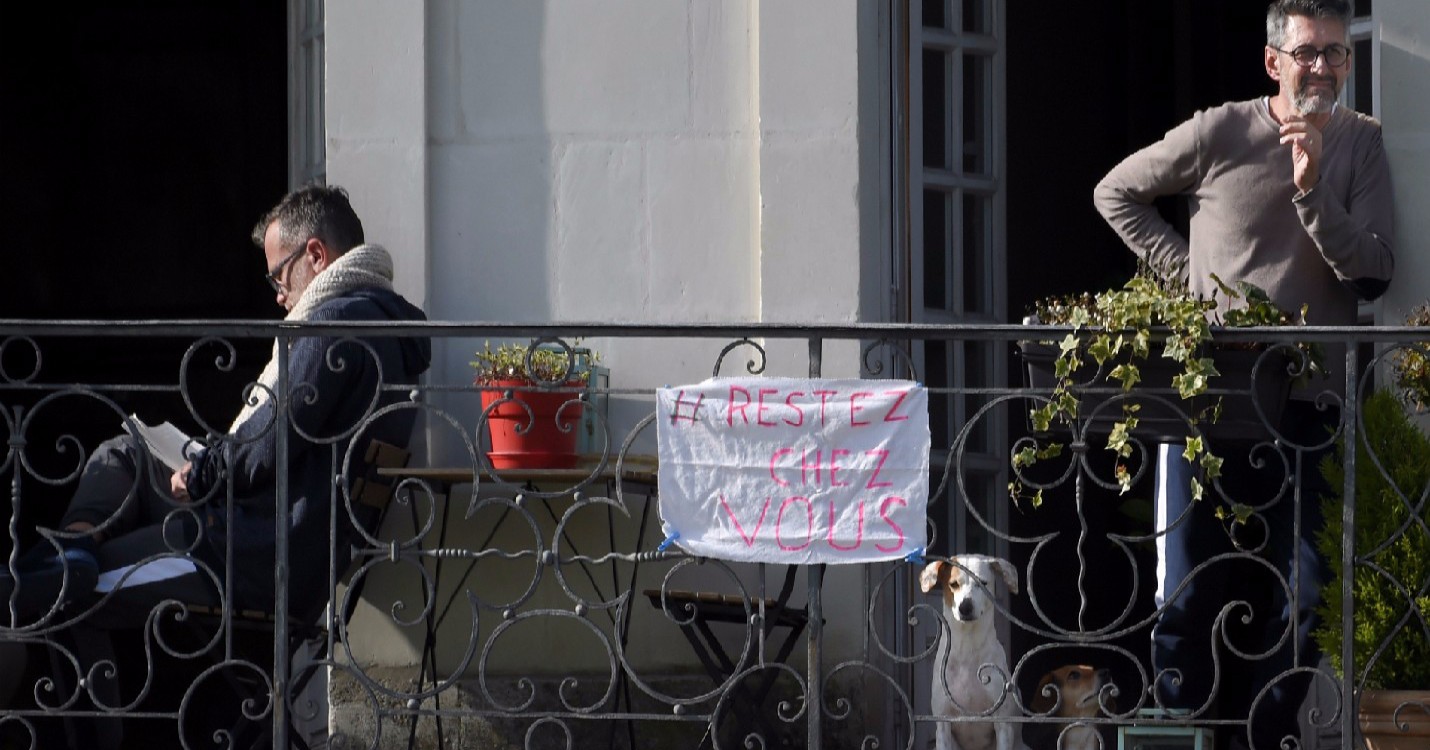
x,y
1382,614
1412,369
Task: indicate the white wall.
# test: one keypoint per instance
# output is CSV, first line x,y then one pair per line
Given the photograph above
x,y
377,127
619,160
1405,118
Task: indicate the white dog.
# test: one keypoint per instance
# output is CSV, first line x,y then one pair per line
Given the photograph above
x,y
974,666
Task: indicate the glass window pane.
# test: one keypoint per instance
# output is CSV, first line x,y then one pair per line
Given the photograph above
x,y
935,100
976,16
1364,84
1362,8
977,365
981,495
975,109
935,16
975,255
936,376
935,250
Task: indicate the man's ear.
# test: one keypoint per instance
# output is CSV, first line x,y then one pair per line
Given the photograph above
x,y
1269,58
319,254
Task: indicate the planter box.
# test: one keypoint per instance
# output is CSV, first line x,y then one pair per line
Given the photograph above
x,y
1161,422
1377,718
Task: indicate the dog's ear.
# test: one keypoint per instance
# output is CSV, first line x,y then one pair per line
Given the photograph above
x,y
1009,573
935,576
1045,697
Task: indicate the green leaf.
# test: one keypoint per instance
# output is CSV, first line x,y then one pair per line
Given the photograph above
x,y
1127,374
1194,448
1100,349
1042,418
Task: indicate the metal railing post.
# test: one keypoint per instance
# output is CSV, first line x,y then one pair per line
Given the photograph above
x,y
815,574
1351,417
280,550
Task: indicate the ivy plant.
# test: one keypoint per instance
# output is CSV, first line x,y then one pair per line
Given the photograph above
x,y
1114,329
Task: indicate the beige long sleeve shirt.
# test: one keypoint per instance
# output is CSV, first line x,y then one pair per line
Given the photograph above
x,y
1248,222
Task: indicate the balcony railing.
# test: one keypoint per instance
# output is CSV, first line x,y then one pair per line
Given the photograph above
x,y
492,607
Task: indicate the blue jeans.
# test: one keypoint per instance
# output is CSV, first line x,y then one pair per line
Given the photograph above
x,y
1204,564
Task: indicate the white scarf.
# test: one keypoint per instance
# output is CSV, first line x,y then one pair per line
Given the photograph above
x,y
363,267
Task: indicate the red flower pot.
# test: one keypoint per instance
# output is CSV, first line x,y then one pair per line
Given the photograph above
x,y
542,438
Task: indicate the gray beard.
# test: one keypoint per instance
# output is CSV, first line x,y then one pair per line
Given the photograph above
x,y
1308,102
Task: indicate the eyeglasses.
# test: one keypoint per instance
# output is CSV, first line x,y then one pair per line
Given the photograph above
x,y
272,277
1305,55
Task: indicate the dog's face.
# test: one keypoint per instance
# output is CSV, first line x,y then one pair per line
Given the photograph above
x,y
1072,690
966,585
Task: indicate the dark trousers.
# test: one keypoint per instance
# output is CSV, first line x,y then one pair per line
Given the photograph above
x,y
1213,575
126,495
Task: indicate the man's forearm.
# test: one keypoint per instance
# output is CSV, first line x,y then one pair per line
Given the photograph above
x,y
1357,248
1142,229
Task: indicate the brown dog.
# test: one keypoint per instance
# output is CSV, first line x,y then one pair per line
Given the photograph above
x,y
1073,692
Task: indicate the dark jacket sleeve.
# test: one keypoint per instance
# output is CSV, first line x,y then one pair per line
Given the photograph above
x,y
332,383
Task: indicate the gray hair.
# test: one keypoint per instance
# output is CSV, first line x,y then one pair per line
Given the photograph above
x,y
320,211
1280,10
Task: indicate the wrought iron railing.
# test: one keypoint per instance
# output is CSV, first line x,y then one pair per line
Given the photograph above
x,y
516,608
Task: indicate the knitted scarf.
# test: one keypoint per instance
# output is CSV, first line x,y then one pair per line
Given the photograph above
x,y
363,267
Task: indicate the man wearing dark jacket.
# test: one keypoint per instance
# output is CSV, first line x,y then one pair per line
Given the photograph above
x,y
135,540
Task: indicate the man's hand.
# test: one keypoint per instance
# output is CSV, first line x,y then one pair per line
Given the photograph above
x,y
1305,140
178,486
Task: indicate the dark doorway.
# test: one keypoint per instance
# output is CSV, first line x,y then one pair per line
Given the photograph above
x,y
1088,84
139,143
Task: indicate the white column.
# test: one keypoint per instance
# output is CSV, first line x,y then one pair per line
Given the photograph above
x,y
377,126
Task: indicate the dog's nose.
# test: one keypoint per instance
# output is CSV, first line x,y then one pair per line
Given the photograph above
x,y
965,610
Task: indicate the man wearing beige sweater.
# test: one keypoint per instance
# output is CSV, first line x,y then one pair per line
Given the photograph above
x,y
1290,192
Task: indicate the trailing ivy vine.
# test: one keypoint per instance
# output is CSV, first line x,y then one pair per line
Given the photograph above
x,y
1114,328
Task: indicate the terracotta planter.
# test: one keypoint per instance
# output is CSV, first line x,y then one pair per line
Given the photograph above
x,y
1377,719
1239,418
535,439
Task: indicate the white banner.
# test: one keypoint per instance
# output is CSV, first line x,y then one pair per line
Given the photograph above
x,y
787,470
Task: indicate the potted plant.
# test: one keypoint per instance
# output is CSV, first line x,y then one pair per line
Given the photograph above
x,y
1086,369
1390,586
533,401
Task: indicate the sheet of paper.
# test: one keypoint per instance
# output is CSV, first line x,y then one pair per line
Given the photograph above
x,y
165,441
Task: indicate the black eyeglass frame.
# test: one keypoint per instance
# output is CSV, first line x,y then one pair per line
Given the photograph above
x,y
272,276
1326,52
